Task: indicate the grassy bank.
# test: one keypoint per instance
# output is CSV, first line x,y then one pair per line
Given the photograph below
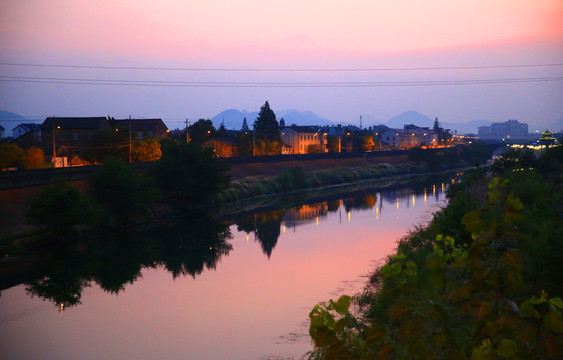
x,y
298,179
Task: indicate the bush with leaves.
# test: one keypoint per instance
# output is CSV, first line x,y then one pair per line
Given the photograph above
x,y
190,172
124,195
33,158
10,155
462,302
61,208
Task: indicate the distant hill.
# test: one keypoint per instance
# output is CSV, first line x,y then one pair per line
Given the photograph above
x,y
409,117
416,118
10,120
233,118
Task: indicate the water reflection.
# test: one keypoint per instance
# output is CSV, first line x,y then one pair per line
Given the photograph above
x,y
184,247
190,245
266,228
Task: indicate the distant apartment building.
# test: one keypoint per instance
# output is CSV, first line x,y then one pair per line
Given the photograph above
x,y
304,139
409,137
511,129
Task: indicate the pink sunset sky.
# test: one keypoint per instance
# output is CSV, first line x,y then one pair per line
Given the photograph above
x,y
289,34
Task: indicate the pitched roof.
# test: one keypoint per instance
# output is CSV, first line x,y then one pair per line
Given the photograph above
x,y
302,129
28,127
141,125
73,122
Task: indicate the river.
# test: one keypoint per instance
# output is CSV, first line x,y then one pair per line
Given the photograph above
x,y
202,289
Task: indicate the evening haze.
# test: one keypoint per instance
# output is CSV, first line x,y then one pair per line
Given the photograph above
x,y
459,61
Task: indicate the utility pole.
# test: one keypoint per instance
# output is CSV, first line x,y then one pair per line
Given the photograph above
x,y
54,146
130,139
187,134
360,121
254,143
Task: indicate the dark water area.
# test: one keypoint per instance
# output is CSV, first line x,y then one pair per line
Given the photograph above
x,y
200,287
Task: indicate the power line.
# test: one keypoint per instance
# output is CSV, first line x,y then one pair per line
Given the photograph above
x,y
226,84
154,68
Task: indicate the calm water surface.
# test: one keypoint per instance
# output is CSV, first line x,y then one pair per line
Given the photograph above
x,y
243,291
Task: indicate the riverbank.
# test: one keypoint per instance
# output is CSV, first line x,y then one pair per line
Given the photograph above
x,y
34,256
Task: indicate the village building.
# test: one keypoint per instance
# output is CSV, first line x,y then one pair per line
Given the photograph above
x,y
143,128
70,135
304,139
23,129
223,146
411,136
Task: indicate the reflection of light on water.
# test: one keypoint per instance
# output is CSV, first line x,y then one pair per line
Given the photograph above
x,y
433,189
348,216
397,203
246,237
412,199
317,221
283,226
442,187
424,196
377,213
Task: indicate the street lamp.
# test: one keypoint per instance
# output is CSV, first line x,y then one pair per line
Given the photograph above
x,y
54,144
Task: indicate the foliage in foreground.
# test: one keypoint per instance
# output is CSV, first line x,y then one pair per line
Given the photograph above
x,y
463,302
480,296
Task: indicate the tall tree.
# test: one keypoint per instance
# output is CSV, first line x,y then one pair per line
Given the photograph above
x,y
123,194
244,125
201,131
267,132
282,123
266,123
437,125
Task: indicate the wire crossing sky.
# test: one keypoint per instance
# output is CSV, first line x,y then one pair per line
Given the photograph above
x,y
461,60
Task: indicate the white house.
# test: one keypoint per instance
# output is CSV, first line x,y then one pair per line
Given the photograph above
x,y
409,138
303,139
23,129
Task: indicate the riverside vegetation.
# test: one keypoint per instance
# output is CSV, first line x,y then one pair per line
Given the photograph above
x,y
188,176
482,281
